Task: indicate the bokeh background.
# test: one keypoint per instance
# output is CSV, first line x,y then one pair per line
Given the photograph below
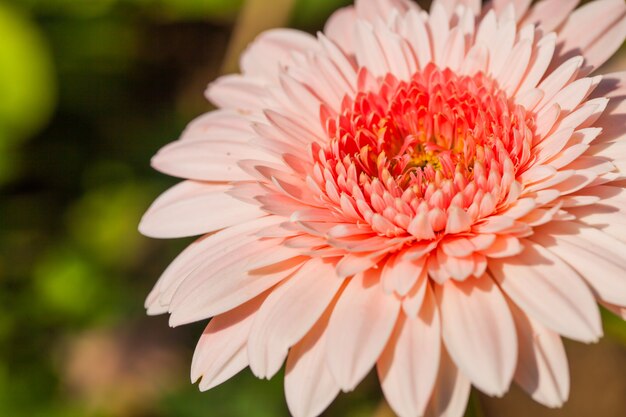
x,y
89,90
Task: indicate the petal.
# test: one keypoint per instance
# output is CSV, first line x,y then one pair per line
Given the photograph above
x,y
599,258
479,332
289,313
452,390
339,28
542,368
359,329
549,14
400,274
203,250
408,366
221,350
238,92
228,125
206,160
194,208
209,291
309,385
549,291
272,49
605,29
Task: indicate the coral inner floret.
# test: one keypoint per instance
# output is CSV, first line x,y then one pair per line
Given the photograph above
x,y
407,155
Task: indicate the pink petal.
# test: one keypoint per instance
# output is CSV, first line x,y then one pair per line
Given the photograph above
x,y
408,366
521,6
503,246
549,14
205,160
452,390
221,350
412,302
228,125
339,28
599,258
194,208
201,251
459,268
549,291
458,220
289,313
605,24
206,292
352,264
479,332
400,274
542,368
359,329
309,385
369,53
539,62
620,311
417,35
272,49
459,247
238,92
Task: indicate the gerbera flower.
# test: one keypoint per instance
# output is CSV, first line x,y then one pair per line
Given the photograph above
x,y
437,194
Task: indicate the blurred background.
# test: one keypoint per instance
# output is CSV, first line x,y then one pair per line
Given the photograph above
x,y
89,90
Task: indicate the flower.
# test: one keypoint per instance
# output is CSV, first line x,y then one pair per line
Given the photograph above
x,y
439,195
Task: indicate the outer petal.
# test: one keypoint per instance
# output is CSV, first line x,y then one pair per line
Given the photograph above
x,y
549,14
221,350
359,329
339,28
542,365
598,257
479,332
605,29
207,293
452,389
408,366
288,314
274,48
309,385
205,160
206,248
549,291
194,208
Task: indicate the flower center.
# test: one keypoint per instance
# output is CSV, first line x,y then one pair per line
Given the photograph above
x,y
417,148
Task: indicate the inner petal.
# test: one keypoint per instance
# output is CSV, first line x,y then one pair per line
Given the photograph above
x,y
409,152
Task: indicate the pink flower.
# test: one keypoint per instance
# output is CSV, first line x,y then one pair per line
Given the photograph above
x,y
439,195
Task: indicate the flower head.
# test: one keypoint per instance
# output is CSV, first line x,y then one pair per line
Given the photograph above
x,y
437,194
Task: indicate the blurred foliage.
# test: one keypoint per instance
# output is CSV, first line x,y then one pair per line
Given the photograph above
x,y
27,84
90,90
